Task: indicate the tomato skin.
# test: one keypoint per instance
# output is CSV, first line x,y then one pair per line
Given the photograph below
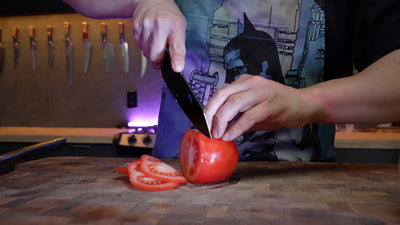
x,y
205,160
122,170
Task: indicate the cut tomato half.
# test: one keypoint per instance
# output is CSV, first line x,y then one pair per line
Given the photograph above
x,y
159,170
205,160
122,170
140,181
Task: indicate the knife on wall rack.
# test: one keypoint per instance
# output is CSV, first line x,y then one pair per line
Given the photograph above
x,y
108,51
31,31
50,43
87,48
68,44
123,48
15,33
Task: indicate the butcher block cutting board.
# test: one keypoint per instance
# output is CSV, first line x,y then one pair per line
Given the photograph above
x,y
87,190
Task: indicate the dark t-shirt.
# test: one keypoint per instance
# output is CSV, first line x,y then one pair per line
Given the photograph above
x,y
359,32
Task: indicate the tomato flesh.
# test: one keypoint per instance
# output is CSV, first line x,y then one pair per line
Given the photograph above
x,y
157,169
122,170
140,181
205,160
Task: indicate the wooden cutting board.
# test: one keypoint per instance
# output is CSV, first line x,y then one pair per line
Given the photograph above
x,y
86,190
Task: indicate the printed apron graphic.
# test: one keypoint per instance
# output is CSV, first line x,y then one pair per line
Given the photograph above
x,y
279,40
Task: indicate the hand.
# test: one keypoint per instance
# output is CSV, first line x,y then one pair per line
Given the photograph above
x,y
156,24
256,103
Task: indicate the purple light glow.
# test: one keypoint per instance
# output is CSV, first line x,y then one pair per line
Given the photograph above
x,y
148,101
132,130
143,130
145,117
141,123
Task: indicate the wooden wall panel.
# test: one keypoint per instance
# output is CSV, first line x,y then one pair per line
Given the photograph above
x,y
42,98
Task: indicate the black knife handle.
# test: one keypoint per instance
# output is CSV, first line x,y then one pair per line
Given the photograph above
x,y
29,152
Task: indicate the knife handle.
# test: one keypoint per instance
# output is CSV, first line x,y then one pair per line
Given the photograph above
x,y
121,28
49,32
31,31
15,32
85,30
67,30
104,32
1,31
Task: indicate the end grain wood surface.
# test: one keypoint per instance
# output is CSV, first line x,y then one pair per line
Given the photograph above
x,y
87,190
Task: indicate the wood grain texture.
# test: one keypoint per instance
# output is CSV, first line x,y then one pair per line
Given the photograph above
x,y
86,190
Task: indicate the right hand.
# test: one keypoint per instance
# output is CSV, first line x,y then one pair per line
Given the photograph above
x,y
156,25
254,103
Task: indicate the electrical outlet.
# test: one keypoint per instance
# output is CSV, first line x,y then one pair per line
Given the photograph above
x,y
131,99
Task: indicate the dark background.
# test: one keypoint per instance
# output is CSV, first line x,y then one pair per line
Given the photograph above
x,y
26,7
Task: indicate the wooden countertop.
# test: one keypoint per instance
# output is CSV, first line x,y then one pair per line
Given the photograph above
x,y
368,140
73,135
86,190
363,140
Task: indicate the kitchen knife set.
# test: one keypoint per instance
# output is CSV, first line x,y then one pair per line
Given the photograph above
x,y
108,56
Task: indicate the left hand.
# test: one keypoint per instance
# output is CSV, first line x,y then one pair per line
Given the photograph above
x,y
259,104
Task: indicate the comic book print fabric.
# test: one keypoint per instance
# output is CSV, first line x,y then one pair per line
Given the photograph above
x,y
282,40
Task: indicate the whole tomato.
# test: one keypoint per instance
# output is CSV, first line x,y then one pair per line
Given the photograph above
x,y
205,160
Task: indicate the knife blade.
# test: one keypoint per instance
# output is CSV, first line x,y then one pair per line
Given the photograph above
x,y
68,43
184,96
31,30
87,48
108,51
15,33
124,48
2,53
143,64
51,47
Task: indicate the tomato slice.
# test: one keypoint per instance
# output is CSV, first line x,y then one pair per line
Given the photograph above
x,y
159,170
205,160
122,170
140,181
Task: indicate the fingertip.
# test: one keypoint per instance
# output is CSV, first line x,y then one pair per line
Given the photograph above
x,y
227,136
177,54
177,62
177,66
215,134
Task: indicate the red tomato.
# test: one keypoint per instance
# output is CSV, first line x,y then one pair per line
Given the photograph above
x,y
121,170
159,170
205,160
141,181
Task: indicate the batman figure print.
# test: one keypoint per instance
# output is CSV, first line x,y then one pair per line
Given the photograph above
x,y
280,40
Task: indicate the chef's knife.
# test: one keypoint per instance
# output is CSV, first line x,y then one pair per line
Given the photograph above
x,y
68,42
33,46
2,53
87,48
184,96
50,43
9,159
15,32
108,51
124,49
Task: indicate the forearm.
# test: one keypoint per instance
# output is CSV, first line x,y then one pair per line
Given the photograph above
x,y
372,96
104,9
